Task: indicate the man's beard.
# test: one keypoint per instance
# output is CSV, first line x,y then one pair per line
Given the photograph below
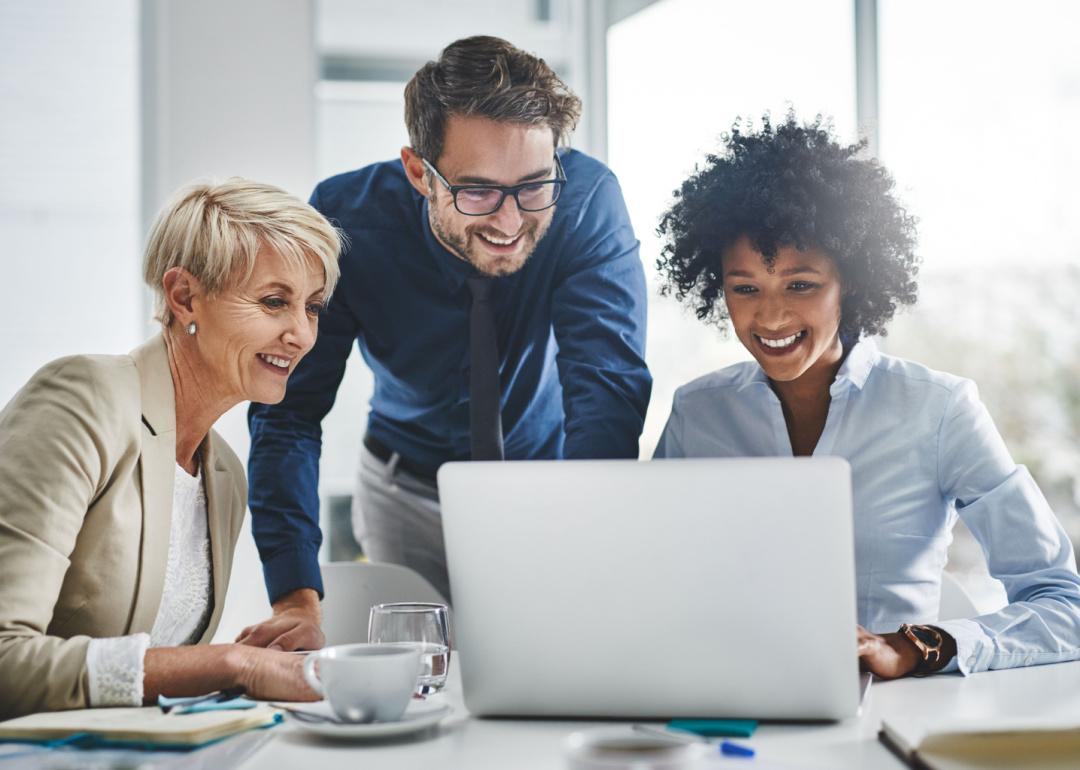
x,y
478,257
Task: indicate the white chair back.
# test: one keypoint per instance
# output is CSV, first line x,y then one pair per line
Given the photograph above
x,y
351,588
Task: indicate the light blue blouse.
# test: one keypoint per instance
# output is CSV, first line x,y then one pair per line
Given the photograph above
x,y
922,449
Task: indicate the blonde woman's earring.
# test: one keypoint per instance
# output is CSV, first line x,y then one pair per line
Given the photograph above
x,y
192,328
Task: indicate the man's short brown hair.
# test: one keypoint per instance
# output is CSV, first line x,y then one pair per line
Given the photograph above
x,y
487,77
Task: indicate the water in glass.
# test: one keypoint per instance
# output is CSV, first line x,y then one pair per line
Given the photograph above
x,y
425,624
434,661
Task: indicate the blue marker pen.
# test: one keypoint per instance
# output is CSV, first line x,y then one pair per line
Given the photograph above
x,y
731,749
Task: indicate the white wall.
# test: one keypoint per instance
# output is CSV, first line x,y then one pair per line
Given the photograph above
x,y
229,92
69,183
403,35
416,31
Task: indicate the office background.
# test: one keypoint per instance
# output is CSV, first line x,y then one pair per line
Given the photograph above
x,y
109,106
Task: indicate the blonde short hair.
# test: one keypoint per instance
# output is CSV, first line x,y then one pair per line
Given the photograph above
x,y
214,230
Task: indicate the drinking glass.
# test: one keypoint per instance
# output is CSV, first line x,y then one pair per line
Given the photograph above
x,y
422,623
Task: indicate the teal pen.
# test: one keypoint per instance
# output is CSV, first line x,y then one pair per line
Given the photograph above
x,y
732,749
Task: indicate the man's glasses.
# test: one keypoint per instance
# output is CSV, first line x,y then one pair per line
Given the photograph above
x,y
477,200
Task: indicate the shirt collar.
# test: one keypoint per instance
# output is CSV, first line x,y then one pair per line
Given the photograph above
x,y
859,362
754,375
854,371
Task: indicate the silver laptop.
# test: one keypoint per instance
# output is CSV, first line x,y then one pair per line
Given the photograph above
x,y
672,588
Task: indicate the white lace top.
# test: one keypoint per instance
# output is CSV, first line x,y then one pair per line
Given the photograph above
x,y
115,665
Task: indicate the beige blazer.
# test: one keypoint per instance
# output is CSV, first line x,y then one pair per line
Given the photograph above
x,y
87,457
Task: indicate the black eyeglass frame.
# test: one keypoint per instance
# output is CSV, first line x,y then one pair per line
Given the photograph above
x,y
505,190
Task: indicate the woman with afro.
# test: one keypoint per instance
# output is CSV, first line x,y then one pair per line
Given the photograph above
x,y
798,244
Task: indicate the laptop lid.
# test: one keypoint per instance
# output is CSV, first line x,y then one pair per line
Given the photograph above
x,y
672,588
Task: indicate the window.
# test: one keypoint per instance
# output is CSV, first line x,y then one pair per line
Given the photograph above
x,y
978,116
679,73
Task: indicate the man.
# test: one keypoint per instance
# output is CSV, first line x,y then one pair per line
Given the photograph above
x,y
494,287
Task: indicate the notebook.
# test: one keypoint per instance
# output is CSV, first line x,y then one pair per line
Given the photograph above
x,y
143,727
1036,743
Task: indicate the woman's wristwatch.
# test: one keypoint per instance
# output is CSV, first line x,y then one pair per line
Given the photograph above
x,y
929,642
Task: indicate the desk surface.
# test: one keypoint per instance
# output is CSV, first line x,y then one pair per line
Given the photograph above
x,y
464,742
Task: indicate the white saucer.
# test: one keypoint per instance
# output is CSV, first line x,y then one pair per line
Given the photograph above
x,y
418,716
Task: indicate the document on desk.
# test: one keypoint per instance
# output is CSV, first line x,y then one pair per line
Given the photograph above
x,y
1036,743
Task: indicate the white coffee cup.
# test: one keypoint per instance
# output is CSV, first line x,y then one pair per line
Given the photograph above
x,y
365,682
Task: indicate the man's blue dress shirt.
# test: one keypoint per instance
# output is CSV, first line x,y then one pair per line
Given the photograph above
x,y
922,449
571,336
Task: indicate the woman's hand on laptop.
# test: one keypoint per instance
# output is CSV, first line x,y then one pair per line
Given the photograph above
x,y
886,656
890,656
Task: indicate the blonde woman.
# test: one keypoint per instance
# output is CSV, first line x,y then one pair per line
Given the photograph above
x,y
119,505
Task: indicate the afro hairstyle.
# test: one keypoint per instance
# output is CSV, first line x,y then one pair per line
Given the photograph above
x,y
792,185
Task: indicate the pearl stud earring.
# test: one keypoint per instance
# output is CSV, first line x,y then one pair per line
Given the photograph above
x,y
192,328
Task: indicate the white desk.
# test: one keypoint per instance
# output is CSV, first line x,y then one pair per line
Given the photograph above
x,y
465,743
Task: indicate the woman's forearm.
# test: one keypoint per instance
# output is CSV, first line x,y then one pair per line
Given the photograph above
x,y
264,674
196,670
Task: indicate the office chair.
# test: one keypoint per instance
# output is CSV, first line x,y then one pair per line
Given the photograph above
x,y
351,588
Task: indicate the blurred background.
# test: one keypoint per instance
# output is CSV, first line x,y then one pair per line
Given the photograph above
x,y
107,107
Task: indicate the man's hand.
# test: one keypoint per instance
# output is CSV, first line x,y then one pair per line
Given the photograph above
x,y
887,656
295,624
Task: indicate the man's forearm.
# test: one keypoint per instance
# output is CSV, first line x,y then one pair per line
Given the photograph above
x,y
301,600
284,500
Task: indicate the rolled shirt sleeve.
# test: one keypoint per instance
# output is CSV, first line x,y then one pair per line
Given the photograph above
x,y
1025,545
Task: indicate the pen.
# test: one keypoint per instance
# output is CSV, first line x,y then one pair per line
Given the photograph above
x,y
732,749
672,735
168,704
727,748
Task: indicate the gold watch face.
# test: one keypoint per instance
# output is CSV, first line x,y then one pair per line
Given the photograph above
x,y
927,639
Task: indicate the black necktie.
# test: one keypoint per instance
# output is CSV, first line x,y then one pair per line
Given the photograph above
x,y
485,418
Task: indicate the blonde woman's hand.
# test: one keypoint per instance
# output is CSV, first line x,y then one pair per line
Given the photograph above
x,y
271,674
